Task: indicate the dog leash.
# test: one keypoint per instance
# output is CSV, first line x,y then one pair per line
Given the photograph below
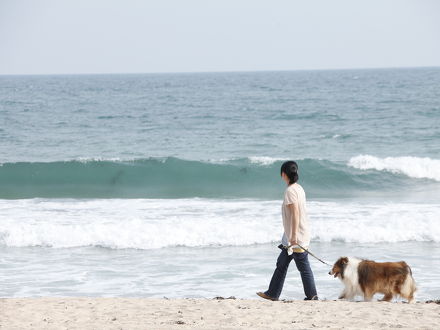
x,y
314,255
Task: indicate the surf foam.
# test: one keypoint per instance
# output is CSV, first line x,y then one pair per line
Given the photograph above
x,y
159,223
414,167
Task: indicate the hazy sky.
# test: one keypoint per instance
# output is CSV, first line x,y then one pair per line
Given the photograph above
x,y
109,36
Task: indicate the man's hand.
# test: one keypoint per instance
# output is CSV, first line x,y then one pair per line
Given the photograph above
x,y
293,242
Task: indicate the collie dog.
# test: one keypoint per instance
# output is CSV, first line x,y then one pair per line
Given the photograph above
x,y
366,277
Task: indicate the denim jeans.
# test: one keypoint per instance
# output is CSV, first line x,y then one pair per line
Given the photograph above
x,y
279,275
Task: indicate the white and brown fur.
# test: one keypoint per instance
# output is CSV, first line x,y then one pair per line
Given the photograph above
x,y
366,278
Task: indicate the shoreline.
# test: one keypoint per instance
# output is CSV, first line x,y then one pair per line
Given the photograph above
x,y
216,313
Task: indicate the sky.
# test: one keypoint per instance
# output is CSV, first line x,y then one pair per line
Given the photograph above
x,y
141,36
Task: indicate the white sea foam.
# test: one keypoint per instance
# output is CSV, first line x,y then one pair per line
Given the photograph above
x,y
156,223
114,159
363,222
256,160
97,159
414,167
264,160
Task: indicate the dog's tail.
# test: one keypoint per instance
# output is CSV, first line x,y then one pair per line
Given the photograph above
x,y
408,286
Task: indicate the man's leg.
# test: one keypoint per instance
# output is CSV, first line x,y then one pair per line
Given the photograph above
x,y
279,275
302,263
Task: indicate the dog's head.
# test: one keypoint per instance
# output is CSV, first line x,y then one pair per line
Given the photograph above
x,y
338,267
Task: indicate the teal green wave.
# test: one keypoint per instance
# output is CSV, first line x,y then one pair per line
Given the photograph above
x,y
178,178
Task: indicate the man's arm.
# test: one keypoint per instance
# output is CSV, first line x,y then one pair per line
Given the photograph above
x,y
294,227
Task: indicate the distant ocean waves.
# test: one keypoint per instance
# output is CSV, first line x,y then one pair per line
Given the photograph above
x,y
253,177
159,223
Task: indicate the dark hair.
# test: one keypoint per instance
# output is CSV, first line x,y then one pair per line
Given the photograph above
x,y
291,170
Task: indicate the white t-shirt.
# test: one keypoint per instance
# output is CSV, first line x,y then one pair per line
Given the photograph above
x,y
295,194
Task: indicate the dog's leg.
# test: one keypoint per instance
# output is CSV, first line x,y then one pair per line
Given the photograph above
x,y
387,297
410,298
349,293
368,295
408,288
343,294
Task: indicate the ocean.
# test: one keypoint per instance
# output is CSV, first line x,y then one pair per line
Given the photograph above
x,y
153,185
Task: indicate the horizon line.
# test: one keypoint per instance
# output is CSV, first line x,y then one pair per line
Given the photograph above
x,y
225,71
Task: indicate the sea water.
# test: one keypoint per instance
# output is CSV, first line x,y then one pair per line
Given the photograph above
x,y
159,185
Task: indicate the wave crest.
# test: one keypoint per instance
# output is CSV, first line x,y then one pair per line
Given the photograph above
x,y
413,167
253,177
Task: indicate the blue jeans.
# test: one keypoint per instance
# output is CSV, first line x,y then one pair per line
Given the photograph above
x,y
279,275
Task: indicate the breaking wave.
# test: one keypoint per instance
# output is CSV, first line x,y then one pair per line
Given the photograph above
x,y
253,177
413,167
157,223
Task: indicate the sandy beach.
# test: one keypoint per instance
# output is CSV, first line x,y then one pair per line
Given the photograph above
x,y
138,313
